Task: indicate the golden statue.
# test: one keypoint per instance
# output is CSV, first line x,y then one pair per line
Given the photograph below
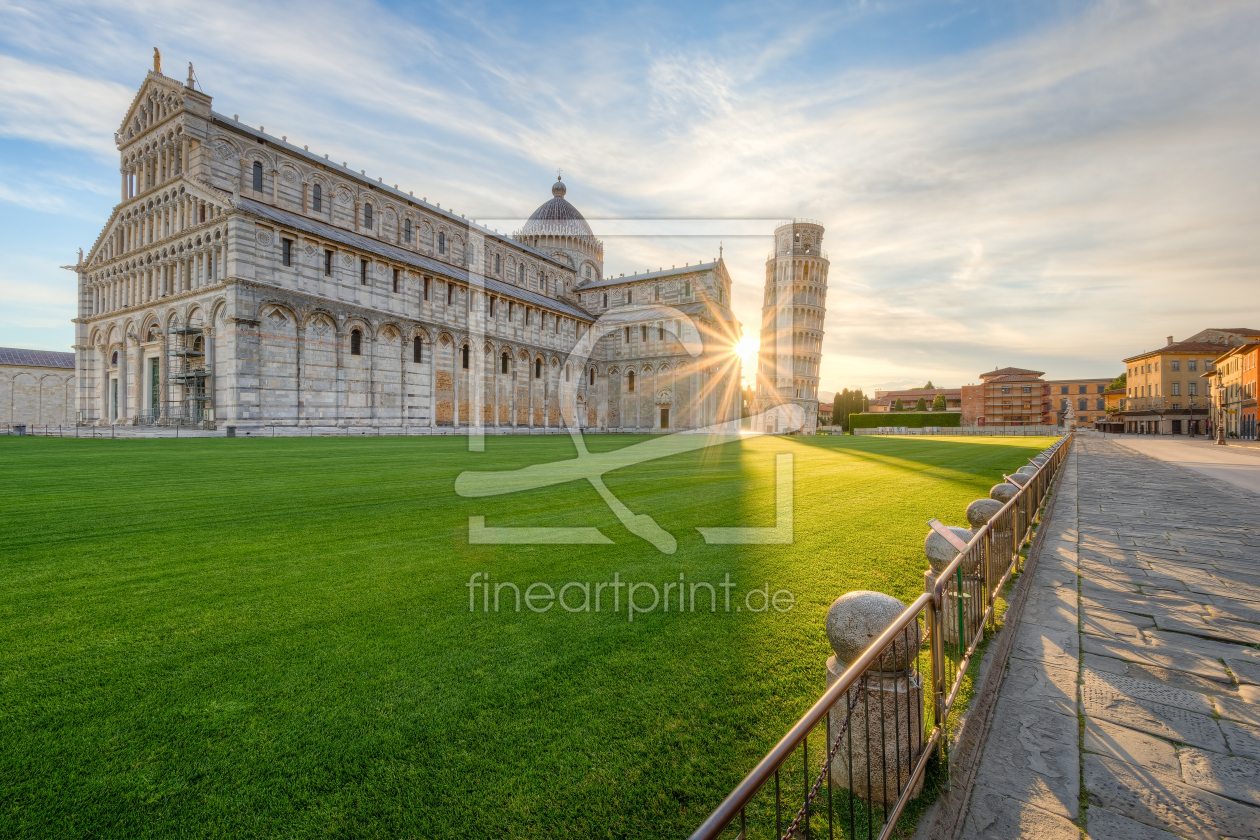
x,y
157,60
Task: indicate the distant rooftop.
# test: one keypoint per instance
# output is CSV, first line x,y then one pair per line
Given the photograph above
x,y
36,358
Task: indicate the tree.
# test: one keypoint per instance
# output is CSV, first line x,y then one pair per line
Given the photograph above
x,y
921,405
938,402
897,406
1121,382
929,386
847,402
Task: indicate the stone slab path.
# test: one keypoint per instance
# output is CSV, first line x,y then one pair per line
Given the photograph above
x,y
1131,707
1238,462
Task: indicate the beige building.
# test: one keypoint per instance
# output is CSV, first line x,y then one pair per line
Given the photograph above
x,y
1087,397
1166,390
246,280
37,388
885,401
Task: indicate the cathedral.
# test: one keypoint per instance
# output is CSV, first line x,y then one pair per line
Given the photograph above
x,y
245,280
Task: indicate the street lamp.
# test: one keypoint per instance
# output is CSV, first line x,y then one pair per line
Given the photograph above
x,y
1220,416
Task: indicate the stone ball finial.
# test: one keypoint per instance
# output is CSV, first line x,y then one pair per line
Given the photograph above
x,y
1019,478
939,550
855,620
982,510
1029,470
1039,459
1003,492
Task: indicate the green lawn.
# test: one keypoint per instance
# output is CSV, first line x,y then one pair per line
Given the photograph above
x,y
272,638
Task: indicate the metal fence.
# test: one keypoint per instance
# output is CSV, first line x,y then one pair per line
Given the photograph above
x,y
965,431
874,730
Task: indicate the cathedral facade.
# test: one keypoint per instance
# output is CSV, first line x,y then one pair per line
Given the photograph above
x,y
245,280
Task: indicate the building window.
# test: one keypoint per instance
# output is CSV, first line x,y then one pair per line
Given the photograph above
x,y
629,295
630,382
643,332
1101,388
356,342
407,231
317,199
605,300
441,242
627,338
520,274
1063,405
426,288
450,293
1176,389
656,291
592,376
286,251
417,350
367,216
1006,389
463,357
327,262
1027,389
497,262
660,332
587,271
490,303
503,363
1193,389
1176,364
363,264
257,176
538,368
1099,405
1063,389
1194,364
686,288
566,373
395,279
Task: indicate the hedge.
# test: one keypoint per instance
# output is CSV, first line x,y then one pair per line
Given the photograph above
x,y
909,419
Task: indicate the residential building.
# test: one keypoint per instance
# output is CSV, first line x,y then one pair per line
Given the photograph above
x,y
1233,390
1087,398
1115,400
1167,393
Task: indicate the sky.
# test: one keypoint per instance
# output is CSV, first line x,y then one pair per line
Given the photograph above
x,y
1053,184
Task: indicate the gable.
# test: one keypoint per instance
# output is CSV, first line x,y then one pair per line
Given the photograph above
x,y
190,187
158,99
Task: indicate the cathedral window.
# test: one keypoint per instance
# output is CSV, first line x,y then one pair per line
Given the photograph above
x,y
201,213
630,382
363,266
286,251
317,199
503,363
538,368
629,295
643,332
356,342
327,262
417,350
520,274
367,216
441,242
463,357
627,339
686,288
657,291
450,293
566,373
660,332
395,279
605,300
257,177
498,264
592,376
113,360
587,270
407,230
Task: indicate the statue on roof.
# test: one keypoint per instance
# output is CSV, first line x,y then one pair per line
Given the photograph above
x,y
157,60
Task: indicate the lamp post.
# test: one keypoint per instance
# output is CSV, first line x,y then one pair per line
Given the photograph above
x,y
1220,415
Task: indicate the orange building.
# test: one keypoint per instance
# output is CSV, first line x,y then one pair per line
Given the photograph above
x,y
1007,397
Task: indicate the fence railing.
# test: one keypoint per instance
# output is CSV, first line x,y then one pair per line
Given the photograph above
x,y
874,730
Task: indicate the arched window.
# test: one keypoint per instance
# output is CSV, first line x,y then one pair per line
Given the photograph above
x,y
657,291
317,199
356,342
566,373
587,271
538,368
520,274
257,176
629,295
417,350
113,360
592,376
630,382
407,230
497,264
503,363
605,300
367,215
463,357
441,242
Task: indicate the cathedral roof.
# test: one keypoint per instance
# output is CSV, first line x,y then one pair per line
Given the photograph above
x,y
649,275
401,255
36,358
557,217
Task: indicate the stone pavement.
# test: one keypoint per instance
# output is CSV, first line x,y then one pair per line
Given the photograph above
x,y
1131,708
1237,463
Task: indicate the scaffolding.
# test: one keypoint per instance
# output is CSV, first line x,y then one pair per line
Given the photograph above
x,y
190,392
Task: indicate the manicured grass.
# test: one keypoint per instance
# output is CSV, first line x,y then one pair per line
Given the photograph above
x,y
272,638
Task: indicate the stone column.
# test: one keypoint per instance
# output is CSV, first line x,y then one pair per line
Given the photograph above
x,y
881,714
164,393
433,346
102,352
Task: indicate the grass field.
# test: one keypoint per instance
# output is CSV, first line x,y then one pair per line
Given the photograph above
x,y
272,638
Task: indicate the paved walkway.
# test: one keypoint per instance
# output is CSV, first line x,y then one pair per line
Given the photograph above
x,y
1237,463
1132,705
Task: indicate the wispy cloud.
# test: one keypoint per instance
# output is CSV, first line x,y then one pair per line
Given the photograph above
x,y
1053,199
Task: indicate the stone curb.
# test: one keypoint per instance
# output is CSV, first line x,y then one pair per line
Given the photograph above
x,y
946,818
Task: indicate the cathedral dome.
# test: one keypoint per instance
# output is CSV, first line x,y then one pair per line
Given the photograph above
x,y
557,217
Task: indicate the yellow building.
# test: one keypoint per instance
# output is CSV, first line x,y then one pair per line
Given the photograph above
x,y
1166,392
1085,396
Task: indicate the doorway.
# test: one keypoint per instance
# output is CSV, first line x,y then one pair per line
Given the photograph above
x,y
664,418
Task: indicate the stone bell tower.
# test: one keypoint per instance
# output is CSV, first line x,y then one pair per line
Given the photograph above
x,y
792,315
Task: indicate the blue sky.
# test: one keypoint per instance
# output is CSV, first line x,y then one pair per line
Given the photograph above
x,y
1053,185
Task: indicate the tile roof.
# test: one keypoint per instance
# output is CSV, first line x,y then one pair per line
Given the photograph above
x,y
379,186
36,358
651,275
1011,371
402,255
1206,347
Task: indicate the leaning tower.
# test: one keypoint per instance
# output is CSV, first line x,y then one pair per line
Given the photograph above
x,y
792,314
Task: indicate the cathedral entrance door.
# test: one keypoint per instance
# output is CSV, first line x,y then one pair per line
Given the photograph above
x,y
664,418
